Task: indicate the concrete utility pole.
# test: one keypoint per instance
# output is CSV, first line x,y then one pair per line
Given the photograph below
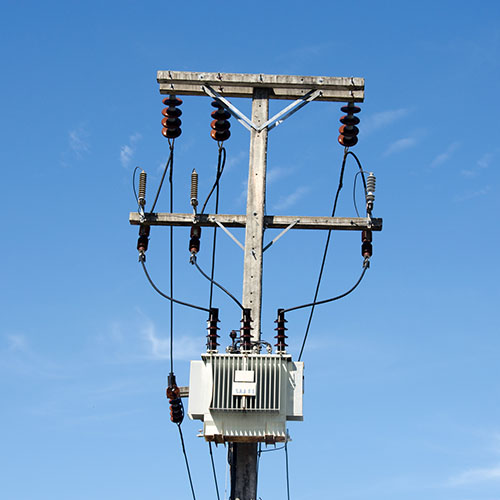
x,y
261,88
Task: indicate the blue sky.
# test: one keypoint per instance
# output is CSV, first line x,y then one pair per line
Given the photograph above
x,y
402,377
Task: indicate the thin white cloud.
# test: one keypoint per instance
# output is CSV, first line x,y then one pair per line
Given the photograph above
x,y
289,200
17,342
473,194
445,155
476,476
127,151
485,160
158,347
481,164
78,141
383,119
401,145
276,173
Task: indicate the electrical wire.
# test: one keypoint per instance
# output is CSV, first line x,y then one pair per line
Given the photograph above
x,y
133,184
186,460
325,252
200,308
170,180
221,164
287,475
312,304
168,164
220,168
195,263
213,470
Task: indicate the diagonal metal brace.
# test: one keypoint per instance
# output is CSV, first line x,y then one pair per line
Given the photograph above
x,y
280,235
289,110
229,233
246,122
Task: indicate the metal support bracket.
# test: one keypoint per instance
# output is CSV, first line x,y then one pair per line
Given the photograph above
x,y
229,234
292,108
280,235
246,122
276,120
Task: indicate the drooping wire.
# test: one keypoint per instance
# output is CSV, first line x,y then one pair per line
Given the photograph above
x,y
287,475
362,172
133,184
170,180
220,168
195,263
327,243
221,163
213,470
200,308
332,299
187,461
167,165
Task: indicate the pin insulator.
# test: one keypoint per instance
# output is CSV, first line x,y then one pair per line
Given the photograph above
x,y
349,131
142,242
171,123
246,327
366,243
281,329
220,124
212,328
194,242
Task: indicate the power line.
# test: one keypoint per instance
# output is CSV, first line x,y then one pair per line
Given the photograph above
x,y
187,461
213,470
165,295
327,243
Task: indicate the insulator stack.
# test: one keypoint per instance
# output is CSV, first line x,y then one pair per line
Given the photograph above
x,y
245,332
194,242
212,328
176,407
366,244
171,123
194,188
349,131
142,188
281,329
220,124
370,192
142,242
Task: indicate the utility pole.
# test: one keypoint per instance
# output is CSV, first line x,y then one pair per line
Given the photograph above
x,y
260,88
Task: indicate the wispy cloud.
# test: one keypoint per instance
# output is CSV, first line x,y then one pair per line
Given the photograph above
x,y
378,120
16,342
481,164
445,155
158,347
473,194
127,151
476,476
289,200
401,145
78,142
276,173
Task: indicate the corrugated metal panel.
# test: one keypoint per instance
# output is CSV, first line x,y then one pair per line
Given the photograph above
x,y
268,375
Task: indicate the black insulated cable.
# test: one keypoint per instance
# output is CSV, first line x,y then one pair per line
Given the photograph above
x,y
200,308
221,163
195,263
186,460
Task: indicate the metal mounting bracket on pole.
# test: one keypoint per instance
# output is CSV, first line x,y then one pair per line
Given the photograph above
x,y
229,234
280,235
276,120
246,122
290,110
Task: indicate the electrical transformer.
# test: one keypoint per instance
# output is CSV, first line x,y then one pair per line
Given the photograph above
x,y
245,397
